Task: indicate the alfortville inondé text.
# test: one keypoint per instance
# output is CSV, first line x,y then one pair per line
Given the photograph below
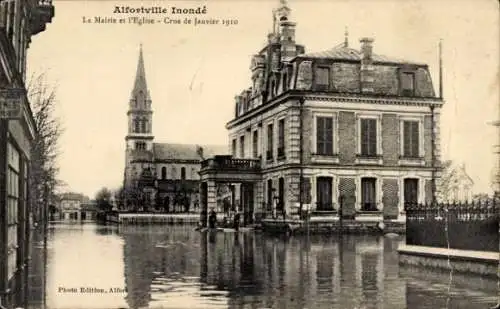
x,y
159,10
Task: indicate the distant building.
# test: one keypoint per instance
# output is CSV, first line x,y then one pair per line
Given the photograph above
x,y
88,211
455,184
323,130
70,206
163,176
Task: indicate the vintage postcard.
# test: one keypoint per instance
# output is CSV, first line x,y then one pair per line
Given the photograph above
x,y
249,154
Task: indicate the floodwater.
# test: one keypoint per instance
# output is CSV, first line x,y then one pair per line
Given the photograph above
x,y
91,266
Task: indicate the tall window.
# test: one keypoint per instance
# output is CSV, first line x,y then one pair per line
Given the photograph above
x,y
281,138
369,137
324,135
322,78
163,172
324,193
13,177
137,126
255,143
143,125
269,194
408,84
242,146
233,147
410,139
183,173
410,191
368,194
281,194
269,152
140,145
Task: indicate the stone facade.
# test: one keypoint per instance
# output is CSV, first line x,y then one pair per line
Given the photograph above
x,y
352,88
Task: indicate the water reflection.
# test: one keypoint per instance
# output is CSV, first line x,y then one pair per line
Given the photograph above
x,y
176,267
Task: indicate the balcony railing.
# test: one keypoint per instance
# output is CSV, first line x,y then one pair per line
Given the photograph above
x,y
230,163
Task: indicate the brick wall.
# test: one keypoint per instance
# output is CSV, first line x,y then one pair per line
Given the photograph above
x,y
386,79
390,191
346,77
347,137
347,189
390,139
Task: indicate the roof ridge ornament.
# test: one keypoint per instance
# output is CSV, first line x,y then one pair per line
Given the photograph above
x,y
346,37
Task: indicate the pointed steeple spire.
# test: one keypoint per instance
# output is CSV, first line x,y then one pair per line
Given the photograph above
x,y
140,76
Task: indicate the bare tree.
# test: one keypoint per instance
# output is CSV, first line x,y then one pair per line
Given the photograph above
x,y
45,148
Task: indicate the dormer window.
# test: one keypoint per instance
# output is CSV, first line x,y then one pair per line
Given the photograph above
x,y
322,78
407,84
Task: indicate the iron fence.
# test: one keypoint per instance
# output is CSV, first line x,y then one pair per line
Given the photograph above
x,y
466,226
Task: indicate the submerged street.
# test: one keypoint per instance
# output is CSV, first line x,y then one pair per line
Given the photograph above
x,y
92,266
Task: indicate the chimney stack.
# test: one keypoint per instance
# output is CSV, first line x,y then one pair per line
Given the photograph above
x,y
366,70
366,48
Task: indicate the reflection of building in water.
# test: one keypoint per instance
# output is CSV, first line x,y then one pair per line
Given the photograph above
x,y
151,253
230,262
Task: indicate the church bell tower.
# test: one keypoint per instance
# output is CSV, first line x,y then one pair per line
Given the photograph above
x,y
139,138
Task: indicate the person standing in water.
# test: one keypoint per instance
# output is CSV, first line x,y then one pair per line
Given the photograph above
x,y
212,219
237,221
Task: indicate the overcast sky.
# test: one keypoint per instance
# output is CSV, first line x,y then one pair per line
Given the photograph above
x,y
193,72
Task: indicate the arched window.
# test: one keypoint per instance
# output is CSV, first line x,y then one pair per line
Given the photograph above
x,y
183,173
137,126
163,172
143,125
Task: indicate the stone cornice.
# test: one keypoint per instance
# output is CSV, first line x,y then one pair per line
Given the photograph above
x,y
376,100
177,161
336,97
139,137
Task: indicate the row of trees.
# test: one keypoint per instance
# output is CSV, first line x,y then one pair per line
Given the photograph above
x,y
44,181
135,199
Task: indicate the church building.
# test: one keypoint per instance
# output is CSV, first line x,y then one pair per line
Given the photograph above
x,y
163,176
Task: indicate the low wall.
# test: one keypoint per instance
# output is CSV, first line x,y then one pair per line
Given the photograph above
x,y
332,227
152,218
461,261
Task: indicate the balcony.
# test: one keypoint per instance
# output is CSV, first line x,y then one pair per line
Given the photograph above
x,y
43,12
228,163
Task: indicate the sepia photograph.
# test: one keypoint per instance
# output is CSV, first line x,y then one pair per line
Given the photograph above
x,y
249,154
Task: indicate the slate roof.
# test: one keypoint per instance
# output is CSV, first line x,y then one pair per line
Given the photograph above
x,y
142,155
346,53
168,151
73,196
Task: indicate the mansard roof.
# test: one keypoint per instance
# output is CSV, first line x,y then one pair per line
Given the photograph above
x,y
350,54
169,151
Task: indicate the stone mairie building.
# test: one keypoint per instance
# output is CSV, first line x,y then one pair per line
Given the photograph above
x,y
360,129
